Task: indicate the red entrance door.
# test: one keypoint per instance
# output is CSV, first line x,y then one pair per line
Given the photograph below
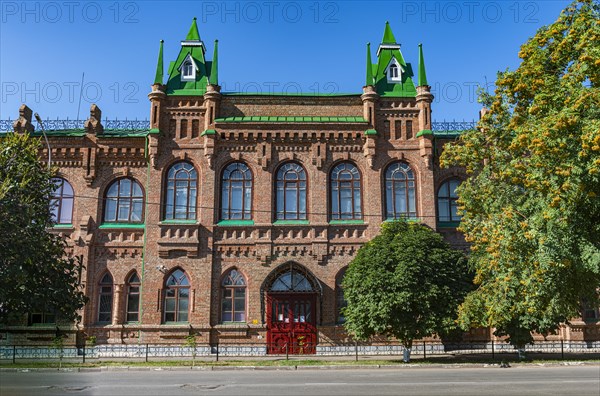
x,y
291,323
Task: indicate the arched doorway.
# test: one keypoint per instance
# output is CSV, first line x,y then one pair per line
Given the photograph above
x,y
292,295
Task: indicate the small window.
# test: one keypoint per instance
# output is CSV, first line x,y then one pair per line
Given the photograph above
x,y
177,297
105,299
589,311
233,291
133,298
42,318
124,202
447,201
61,202
188,69
393,71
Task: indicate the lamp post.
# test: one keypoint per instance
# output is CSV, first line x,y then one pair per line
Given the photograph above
x,y
39,120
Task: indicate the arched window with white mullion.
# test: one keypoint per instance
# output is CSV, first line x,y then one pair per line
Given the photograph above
x,y
291,192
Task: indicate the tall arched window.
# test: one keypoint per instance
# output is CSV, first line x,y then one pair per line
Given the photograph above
x,y
177,297
133,298
233,292
400,192
345,193
291,192
236,192
105,299
447,205
339,296
188,69
393,71
124,202
61,202
182,187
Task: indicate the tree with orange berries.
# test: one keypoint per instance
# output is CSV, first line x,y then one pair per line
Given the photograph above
x,y
531,203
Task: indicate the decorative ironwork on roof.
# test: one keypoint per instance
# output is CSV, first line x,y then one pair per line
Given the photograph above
x,y
73,125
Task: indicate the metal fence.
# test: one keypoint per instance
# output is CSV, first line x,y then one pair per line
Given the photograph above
x,y
424,350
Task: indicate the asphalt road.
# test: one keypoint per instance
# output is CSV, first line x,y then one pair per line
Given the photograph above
x,y
529,380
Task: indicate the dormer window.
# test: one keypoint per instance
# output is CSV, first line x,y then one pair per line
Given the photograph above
x,y
188,69
394,72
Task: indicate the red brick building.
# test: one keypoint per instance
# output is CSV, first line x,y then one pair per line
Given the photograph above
x,y
234,216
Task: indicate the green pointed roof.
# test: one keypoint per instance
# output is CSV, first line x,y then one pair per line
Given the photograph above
x,y
191,48
369,78
158,79
214,67
388,36
422,75
390,50
193,34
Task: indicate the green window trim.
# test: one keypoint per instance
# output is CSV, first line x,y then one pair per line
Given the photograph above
x,y
291,222
448,224
424,132
181,324
335,222
235,223
63,225
168,222
122,225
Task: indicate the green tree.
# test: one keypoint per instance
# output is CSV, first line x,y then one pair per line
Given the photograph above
x,y
531,203
35,275
406,283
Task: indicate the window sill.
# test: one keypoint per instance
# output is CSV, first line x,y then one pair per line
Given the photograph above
x,y
122,225
448,224
335,222
235,223
170,222
291,222
177,324
62,226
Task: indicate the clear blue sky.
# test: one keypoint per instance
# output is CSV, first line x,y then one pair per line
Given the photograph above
x,y
267,45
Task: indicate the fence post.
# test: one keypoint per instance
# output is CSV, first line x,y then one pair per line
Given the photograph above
x,y
356,350
562,350
493,355
147,347
424,351
217,351
287,351
83,353
14,354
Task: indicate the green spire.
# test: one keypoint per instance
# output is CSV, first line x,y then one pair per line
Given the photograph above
x,y
158,79
369,80
422,75
388,36
193,34
214,69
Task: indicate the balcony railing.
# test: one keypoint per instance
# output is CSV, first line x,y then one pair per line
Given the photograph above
x,y
65,125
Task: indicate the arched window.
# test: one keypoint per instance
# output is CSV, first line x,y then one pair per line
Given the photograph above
x,y
177,297
188,69
393,71
124,202
447,205
236,192
182,187
339,296
291,192
105,299
61,202
345,193
133,298
292,281
233,291
400,192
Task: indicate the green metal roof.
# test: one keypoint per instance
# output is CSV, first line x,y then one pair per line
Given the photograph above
x,y
369,79
448,134
214,72
422,75
288,119
289,94
193,34
404,88
158,79
424,132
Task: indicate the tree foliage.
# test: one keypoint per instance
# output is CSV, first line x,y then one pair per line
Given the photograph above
x,y
35,276
406,283
531,204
